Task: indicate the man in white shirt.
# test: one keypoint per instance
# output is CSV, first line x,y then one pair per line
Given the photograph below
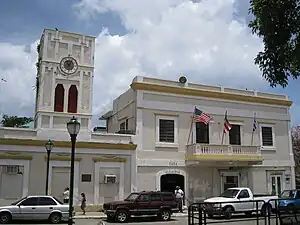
x,y
179,197
66,195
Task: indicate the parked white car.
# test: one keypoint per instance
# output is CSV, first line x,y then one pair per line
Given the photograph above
x,y
35,208
239,200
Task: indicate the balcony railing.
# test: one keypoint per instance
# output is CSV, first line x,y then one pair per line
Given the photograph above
x,y
213,152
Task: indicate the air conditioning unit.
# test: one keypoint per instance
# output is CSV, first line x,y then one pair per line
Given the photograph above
x,y
11,170
110,179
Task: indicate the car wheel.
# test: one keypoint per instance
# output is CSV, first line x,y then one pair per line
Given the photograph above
x,y
165,215
5,217
228,212
55,218
121,216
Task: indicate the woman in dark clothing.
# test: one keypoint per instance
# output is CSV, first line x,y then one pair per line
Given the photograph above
x,y
83,203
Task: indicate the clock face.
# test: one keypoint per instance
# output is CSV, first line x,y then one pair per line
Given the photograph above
x,y
68,65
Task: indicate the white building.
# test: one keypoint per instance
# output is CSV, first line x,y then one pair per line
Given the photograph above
x,y
158,156
160,113
105,164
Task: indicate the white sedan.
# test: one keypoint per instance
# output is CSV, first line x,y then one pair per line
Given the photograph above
x,y
35,208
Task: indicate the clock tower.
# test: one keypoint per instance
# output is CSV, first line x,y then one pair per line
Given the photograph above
x,y
64,80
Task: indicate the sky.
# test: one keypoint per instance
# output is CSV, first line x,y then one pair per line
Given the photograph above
x,y
206,40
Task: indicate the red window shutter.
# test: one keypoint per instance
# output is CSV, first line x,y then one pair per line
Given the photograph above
x,y
72,100
59,98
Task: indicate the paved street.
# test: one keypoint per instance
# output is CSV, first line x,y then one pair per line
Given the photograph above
x,y
175,221
77,222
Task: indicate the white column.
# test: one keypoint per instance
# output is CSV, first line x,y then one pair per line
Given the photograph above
x,y
138,141
80,91
66,97
293,175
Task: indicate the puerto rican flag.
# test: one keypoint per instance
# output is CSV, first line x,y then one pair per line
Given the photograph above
x,y
227,125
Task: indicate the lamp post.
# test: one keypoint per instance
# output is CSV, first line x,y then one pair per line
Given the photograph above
x,y
48,146
73,128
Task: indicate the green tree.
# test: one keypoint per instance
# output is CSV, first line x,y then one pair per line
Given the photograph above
x,y
277,22
15,121
296,151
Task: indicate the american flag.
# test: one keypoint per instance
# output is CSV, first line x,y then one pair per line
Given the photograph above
x,y
254,123
200,116
227,125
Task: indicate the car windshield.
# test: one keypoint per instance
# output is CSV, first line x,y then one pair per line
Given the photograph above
x,y
16,202
132,197
60,202
230,193
288,194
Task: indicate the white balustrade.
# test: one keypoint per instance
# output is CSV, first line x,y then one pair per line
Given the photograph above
x,y
211,149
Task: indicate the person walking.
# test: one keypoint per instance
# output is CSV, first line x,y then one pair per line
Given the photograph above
x,y
179,197
66,195
83,203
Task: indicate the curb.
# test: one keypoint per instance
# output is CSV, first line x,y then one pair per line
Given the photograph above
x,y
89,217
104,217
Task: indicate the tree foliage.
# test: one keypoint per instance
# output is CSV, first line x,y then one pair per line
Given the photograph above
x,y
15,121
277,22
296,151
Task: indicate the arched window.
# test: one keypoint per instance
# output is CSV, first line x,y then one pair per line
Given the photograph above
x,y
72,100
59,98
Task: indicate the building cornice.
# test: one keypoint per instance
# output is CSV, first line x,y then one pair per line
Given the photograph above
x,y
67,144
209,94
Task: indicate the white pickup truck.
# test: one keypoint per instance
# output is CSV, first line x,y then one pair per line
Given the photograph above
x,y
239,200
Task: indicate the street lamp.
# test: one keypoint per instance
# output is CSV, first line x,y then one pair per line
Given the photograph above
x,y
73,128
48,146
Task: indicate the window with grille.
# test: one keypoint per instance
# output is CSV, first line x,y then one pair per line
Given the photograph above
x,y
235,135
12,169
166,130
202,133
267,136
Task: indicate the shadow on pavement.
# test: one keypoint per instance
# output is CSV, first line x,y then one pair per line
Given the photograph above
x,y
33,222
140,220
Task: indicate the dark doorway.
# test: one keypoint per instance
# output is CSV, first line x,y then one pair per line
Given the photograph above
x,y
168,182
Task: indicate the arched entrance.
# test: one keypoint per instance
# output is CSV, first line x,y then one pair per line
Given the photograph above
x,y
168,182
168,179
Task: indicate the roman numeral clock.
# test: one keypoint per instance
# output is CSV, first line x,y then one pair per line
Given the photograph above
x,y
68,65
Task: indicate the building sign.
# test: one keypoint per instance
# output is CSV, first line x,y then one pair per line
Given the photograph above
x,y
172,171
173,163
160,162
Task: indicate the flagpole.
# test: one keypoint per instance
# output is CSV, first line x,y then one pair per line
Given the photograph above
x,y
223,128
254,121
191,127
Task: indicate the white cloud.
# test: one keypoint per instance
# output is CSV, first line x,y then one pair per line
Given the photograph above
x,y
168,37
165,38
17,67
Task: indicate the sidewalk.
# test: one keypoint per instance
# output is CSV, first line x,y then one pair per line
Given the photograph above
x,y
101,215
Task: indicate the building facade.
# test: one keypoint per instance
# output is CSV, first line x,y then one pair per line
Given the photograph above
x,y
173,150
105,163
